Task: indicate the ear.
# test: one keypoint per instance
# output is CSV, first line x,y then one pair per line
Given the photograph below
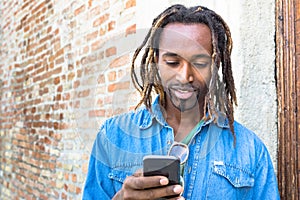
x,y
155,57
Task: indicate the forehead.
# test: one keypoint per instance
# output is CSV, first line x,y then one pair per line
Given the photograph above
x,y
178,37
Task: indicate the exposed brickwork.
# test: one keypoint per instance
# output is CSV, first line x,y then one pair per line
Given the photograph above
x,y
60,67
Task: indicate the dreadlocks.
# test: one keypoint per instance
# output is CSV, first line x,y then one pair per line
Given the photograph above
x,y
221,91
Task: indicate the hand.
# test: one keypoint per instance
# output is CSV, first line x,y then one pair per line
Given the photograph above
x,y
137,187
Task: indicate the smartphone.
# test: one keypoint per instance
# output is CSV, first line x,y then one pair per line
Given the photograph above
x,y
160,165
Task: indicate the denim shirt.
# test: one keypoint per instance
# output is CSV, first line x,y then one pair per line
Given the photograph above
x,y
216,168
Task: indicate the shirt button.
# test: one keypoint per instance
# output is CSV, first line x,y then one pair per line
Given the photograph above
x,y
194,142
189,170
169,142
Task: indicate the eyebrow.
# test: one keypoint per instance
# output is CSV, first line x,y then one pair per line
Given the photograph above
x,y
201,56
171,54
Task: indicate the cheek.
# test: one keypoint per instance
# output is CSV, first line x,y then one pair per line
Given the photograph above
x,y
208,78
165,74
204,77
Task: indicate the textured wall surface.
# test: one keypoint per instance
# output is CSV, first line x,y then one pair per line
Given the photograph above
x,y
257,88
58,72
64,69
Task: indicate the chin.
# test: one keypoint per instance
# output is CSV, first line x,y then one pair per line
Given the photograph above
x,y
185,105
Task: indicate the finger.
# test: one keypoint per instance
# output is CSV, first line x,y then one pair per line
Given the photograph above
x,y
138,173
178,198
141,182
159,192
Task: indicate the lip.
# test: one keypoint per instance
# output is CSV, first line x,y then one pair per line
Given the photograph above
x,y
183,88
183,93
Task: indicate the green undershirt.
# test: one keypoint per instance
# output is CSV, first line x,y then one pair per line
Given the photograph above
x,y
188,138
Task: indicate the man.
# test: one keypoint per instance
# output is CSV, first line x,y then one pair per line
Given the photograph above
x,y
184,50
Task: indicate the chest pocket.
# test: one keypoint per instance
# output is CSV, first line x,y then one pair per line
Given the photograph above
x,y
118,175
229,182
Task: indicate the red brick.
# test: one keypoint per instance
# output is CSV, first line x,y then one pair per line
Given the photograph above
x,y
56,80
57,70
76,84
90,2
101,79
71,76
85,167
120,61
102,31
112,76
37,8
59,60
64,196
85,50
66,178
111,25
131,30
83,93
101,20
58,97
97,45
92,36
95,11
26,29
79,10
110,51
118,86
97,113
74,177
130,3
78,190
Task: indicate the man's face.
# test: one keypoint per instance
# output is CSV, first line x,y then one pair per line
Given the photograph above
x,y
184,63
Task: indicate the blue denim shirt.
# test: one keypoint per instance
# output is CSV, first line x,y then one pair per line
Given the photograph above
x,y
216,168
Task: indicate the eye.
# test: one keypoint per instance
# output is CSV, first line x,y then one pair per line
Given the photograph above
x,y
200,65
172,63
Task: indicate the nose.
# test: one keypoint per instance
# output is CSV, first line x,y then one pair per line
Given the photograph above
x,y
185,74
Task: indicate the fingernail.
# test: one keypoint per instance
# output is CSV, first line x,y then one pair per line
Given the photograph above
x,y
177,189
164,181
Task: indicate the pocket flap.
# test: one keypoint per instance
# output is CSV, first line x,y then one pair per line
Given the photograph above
x,y
236,175
118,175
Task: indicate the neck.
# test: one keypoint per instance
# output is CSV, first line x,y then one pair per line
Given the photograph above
x,y
183,122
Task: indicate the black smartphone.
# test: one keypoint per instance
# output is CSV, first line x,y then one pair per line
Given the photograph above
x,y
160,165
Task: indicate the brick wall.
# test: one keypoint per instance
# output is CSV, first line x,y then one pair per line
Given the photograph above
x,y
63,70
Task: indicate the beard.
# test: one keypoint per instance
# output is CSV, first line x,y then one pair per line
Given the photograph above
x,y
184,101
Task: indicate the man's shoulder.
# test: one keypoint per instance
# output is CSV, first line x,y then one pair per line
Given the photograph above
x,y
242,129
137,117
247,137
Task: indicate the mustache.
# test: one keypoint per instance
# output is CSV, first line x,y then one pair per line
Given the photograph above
x,y
186,87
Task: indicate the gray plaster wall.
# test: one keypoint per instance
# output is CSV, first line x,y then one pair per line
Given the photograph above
x,y
257,87
252,23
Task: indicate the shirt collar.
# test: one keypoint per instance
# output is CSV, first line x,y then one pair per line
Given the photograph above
x,y
221,120
156,113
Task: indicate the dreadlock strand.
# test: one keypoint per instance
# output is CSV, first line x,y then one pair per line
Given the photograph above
x,y
216,61
227,51
136,83
134,77
231,120
212,90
